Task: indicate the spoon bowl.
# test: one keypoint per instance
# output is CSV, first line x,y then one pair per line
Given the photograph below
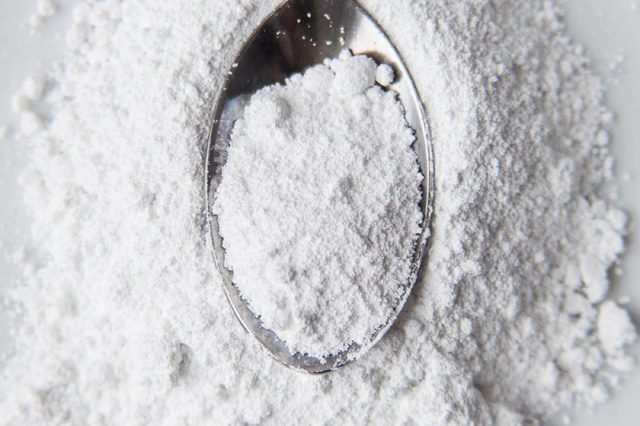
x,y
300,34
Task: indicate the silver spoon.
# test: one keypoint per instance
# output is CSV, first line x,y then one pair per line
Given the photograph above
x,y
298,35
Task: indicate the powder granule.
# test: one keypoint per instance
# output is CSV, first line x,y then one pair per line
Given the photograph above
x,y
30,123
615,328
20,102
33,87
125,321
44,9
385,75
4,132
319,206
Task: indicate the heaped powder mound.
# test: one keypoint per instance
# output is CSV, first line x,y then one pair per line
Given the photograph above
x,y
124,317
319,206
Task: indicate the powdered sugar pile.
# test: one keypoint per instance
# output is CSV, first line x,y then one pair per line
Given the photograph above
x,y
319,206
125,320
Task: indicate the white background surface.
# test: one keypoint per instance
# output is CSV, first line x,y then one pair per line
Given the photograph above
x,y
609,29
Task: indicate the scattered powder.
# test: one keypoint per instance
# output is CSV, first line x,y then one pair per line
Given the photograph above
x,y
124,320
35,21
20,102
45,9
30,123
624,300
319,206
4,132
33,87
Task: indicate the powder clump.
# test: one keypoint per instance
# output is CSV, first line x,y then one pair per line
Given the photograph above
x,y
615,328
33,87
319,206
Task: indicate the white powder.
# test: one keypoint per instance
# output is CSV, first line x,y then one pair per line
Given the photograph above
x,y
35,21
385,75
4,132
614,328
33,87
20,102
125,320
44,9
30,123
319,206
81,13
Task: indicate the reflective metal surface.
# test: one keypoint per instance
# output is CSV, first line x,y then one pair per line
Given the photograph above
x,y
300,34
